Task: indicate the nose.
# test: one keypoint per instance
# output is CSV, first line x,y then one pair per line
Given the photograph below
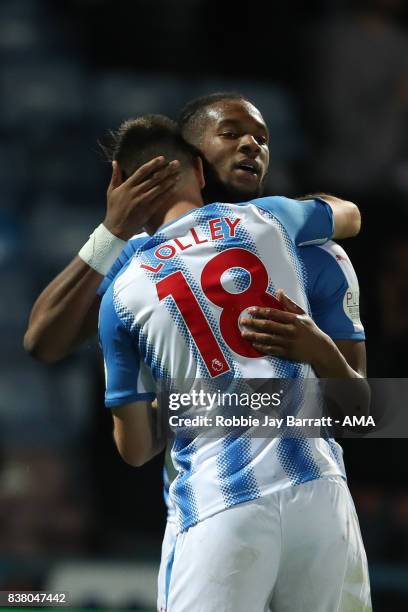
x,y
249,145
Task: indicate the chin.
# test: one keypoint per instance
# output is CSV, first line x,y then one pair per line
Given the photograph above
x,y
216,190
238,193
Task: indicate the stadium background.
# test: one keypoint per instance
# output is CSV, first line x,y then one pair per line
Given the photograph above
x,y
331,78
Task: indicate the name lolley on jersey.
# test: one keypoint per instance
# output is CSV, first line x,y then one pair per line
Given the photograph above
x,y
266,408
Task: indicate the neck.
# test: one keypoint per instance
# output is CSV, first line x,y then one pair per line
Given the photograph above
x,y
169,213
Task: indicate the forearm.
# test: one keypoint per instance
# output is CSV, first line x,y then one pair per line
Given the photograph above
x,y
346,391
64,314
136,434
155,442
347,217
330,363
291,334
139,451
156,446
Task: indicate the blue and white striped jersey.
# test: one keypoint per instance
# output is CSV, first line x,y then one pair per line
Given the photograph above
x,y
172,313
333,291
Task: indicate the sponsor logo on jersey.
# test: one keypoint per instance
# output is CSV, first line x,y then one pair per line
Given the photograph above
x,y
351,305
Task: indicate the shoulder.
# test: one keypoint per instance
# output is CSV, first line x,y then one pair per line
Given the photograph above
x,y
272,204
128,251
328,254
321,266
333,290
134,244
329,260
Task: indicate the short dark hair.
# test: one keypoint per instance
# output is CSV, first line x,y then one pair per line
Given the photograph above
x,y
193,117
139,140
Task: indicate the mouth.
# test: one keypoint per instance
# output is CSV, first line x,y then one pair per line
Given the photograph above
x,y
249,168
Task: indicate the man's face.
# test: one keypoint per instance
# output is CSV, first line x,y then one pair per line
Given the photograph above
x,y
235,146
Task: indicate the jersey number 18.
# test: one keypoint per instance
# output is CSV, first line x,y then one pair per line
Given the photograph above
x,y
232,305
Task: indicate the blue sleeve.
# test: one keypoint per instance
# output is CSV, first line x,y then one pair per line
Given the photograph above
x,y
128,251
333,291
123,383
306,221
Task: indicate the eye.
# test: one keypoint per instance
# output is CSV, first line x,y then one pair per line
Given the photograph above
x,y
262,140
229,134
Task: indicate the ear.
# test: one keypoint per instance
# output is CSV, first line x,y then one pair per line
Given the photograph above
x,y
199,171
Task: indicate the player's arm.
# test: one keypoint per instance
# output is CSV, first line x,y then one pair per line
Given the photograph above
x,y
129,389
354,352
292,334
333,339
334,298
314,221
347,217
66,312
135,433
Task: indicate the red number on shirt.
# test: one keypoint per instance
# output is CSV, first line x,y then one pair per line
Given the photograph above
x,y
232,305
176,285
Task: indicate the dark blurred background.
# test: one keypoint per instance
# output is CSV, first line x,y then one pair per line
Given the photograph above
x,y
331,79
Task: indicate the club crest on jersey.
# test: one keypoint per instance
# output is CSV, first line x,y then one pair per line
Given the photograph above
x,y
216,365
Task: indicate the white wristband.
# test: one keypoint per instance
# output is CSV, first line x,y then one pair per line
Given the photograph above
x,y
102,250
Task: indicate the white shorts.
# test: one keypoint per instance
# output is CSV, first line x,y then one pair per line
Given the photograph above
x,y
297,550
166,563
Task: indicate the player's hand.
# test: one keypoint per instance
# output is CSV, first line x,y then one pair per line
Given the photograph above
x,y
132,202
289,333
